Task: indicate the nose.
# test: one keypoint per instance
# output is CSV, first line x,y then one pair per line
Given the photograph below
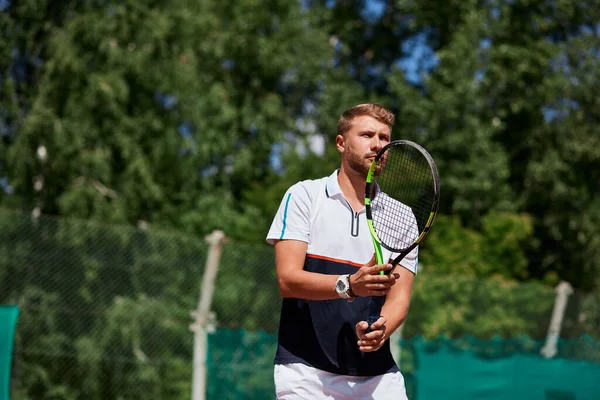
x,y
376,144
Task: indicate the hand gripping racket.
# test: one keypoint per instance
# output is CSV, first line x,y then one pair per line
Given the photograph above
x,y
401,200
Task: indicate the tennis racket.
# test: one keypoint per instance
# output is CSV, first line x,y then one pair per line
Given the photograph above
x,y
401,200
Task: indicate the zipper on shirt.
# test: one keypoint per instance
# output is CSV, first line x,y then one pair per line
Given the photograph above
x,y
354,227
354,222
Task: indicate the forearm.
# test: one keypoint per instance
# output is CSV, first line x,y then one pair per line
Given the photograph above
x,y
397,302
306,285
395,311
294,281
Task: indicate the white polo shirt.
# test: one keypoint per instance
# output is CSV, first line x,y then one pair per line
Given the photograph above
x,y
316,212
321,333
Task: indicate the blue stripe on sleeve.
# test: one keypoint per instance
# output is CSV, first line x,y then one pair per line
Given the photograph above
x,y
287,203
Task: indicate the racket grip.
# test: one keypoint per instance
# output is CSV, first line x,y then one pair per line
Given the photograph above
x,y
374,310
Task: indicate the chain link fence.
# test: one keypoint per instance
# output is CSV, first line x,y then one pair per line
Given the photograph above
x,y
105,312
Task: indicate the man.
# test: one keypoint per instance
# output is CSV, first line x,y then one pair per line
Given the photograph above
x,y
327,275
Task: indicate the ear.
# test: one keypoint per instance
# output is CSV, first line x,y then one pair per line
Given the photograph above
x,y
340,143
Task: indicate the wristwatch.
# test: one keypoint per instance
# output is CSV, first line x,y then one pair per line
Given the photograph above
x,y
343,288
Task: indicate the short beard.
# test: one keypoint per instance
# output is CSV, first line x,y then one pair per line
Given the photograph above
x,y
358,164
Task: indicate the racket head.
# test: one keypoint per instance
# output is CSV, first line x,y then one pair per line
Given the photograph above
x,y
401,195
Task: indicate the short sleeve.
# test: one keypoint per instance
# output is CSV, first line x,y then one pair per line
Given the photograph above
x,y
411,261
292,220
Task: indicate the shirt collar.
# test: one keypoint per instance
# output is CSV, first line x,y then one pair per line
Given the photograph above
x,y
332,186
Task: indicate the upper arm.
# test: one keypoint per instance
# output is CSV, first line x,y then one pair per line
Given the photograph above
x,y
289,257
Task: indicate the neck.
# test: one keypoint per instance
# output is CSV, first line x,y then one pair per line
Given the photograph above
x,y
352,185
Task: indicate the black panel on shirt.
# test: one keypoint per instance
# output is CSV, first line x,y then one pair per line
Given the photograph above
x,y
321,333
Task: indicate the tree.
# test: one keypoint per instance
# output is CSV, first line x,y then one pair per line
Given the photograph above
x,y
495,90
561,180
151,111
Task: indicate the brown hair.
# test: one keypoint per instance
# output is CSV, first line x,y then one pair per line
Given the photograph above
x,y
371,109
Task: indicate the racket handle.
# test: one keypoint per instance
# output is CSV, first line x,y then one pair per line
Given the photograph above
x,y
374,310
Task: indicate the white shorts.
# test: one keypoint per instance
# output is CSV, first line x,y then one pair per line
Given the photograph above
x,y
298,381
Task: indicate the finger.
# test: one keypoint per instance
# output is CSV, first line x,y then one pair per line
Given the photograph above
x,y
361,328
379,324
371,262
375,269
377,334
374,336
381,278
366,342
367,349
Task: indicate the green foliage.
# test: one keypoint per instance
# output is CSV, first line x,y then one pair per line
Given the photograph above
x,y
146,329
447,121
144,108
497,249
247,295
504,237
564,166
164,114
100,305
460,305
452,248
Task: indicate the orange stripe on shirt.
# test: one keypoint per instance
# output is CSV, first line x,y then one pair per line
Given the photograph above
x,y
358,265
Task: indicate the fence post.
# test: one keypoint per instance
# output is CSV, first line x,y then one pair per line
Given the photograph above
x,y
563,291
203,316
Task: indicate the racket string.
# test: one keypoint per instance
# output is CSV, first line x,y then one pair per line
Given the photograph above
x,y
403,198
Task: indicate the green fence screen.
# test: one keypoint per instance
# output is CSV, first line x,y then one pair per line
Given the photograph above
x,y
8,322
240,367
503,369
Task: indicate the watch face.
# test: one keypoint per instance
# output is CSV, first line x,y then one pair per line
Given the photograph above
x,y
340,286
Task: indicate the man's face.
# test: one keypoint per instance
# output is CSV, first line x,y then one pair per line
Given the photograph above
x,y
362,142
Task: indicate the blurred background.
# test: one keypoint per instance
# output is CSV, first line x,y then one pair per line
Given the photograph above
x,y
130,130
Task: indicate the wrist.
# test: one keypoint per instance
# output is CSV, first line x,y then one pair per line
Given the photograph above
x,y
350,291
